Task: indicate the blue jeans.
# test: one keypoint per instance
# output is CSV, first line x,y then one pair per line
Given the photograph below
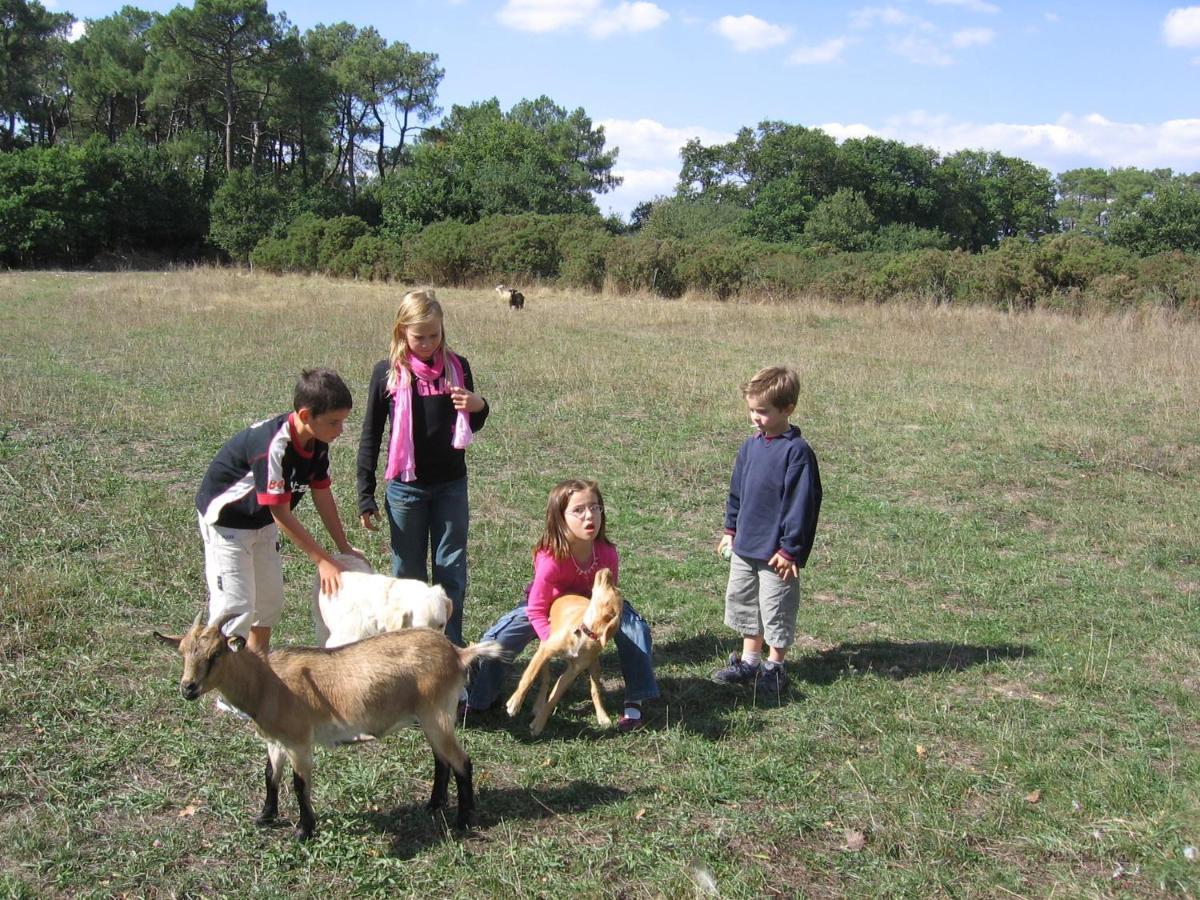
x,y
431,514
513,631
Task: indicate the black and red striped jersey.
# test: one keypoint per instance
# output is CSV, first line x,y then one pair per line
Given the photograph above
x,y
260,467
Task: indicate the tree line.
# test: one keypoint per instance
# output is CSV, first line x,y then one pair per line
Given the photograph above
x,y
222,127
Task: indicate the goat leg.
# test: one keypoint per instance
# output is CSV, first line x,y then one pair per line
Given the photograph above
x,y
597,694
271,802
464,783
308,821
441,785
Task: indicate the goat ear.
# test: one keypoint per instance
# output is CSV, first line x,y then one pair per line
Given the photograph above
x,y
168,640
235,642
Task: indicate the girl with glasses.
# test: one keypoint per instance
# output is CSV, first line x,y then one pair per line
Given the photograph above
x,y
572,549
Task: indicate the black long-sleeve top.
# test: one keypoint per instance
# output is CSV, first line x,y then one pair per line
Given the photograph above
x,y
433,430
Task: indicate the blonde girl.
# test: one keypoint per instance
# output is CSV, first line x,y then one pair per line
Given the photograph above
x,y
428,393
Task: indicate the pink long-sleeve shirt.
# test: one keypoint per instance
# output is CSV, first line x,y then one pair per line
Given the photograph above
x,y
554,577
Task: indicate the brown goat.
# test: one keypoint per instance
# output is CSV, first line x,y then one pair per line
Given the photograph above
x,y
303,696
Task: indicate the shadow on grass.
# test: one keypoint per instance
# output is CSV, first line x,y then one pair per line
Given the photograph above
x,y
699,706
412,829
899,659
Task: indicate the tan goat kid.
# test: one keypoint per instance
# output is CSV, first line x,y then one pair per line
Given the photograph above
x,y
305,696
580,629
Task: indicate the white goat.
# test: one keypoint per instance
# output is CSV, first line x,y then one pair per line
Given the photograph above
x,y
369,603
516,300
303,696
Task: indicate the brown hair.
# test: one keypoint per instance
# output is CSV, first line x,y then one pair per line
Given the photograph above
x,y
320,391
778,385
555,539
416,308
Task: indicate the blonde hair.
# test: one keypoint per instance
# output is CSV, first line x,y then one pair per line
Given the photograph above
x,y
556,538
417,307
778,385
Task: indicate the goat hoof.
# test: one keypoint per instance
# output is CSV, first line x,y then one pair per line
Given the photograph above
x,y
264,820
512,709
302,833
435,805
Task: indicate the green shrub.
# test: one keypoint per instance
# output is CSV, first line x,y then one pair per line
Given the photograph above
x,y
64,204
371,258
271,255
584,252
927,275
1072,260
720,269
518,248
644,264
901,237
243,211
1172,279
337,237
442,253
684,219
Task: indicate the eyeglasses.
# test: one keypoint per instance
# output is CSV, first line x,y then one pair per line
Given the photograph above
x,y
580,511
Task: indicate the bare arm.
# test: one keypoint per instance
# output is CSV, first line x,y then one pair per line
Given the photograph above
x,y
327,568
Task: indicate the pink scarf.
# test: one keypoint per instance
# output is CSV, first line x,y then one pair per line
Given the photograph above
x,y
402,461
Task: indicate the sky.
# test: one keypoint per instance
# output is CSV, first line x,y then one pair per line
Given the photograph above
x,y
1063,85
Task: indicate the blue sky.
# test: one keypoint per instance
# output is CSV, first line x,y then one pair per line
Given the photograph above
x,y
1060,84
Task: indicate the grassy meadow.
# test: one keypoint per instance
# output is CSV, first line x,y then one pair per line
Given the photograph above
x,y
997,694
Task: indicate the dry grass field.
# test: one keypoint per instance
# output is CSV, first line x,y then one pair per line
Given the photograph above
x,y
997,693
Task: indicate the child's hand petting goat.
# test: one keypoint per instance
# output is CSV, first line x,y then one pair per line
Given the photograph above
x,y
369,603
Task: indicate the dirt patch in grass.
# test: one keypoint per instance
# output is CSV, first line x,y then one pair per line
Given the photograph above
x,y
1011,689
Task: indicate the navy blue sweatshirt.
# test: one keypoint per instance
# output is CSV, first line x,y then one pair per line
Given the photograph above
x,y
774,498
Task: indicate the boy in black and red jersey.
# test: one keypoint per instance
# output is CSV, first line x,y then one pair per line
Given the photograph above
x,y
247,497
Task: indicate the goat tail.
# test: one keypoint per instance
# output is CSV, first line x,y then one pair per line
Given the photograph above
x,y
485,649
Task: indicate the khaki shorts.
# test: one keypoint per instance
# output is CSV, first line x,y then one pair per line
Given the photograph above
x,y
757,601
244,572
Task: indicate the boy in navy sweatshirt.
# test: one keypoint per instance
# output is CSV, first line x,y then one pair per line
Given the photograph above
x,y
770,523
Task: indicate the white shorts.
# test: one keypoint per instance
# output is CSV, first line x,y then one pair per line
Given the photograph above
x,y
759,602
244,571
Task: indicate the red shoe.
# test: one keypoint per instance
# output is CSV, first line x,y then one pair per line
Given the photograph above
x,y
626,724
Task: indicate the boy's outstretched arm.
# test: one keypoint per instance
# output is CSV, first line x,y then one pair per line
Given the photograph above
x,y
327,509
327,568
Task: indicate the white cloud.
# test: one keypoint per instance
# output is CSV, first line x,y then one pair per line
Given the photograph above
x,y
869,16
817,54
921,50
546,15
969,37
78,30
646,141
1069,142
750,32
629,17
542,16
649,161
1181,27
840,132
973,5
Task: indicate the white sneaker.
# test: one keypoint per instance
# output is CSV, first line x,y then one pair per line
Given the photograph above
x,y
226,707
